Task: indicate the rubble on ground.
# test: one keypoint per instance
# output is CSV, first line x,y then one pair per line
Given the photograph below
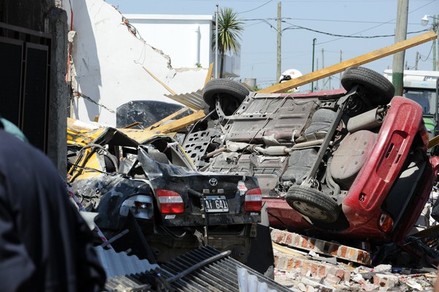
x,y
299,267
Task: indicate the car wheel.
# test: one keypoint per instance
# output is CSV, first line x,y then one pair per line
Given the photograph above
x,y
230,93
313,204
379,90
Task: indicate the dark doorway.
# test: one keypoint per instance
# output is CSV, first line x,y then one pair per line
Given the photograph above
x,y
24,75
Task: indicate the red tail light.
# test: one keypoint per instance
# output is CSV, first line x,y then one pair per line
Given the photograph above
x,y
253,200
169,202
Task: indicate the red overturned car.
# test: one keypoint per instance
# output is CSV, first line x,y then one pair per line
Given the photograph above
x,y
348,163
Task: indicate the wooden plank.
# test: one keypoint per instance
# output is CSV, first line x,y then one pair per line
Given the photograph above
x,y
366,58
159,81
209,74
168,118
180,123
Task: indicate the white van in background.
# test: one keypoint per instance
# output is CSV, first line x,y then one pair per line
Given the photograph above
x,y
422,87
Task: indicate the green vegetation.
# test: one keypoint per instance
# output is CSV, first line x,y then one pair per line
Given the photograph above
x,y
229,34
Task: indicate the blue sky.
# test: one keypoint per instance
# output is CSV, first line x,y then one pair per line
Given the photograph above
x,y
343,30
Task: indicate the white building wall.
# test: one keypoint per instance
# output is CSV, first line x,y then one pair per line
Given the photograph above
x,y
186,38
232,64
110,64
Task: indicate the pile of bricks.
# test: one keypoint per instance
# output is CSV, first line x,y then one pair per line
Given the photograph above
x,y
308,264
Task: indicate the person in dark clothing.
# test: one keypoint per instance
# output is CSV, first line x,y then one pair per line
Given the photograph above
x,y
45,245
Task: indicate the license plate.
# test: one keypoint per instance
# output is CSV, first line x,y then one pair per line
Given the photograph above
x,y
216,204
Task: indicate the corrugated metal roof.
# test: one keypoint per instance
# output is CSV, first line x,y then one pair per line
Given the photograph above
x,y
218,275
120,263
202,269
193,100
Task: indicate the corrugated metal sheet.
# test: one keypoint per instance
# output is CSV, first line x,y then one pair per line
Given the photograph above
x,y
193,100
120,263
203,269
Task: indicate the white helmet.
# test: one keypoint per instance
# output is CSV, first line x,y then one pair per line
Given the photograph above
x,y
289,74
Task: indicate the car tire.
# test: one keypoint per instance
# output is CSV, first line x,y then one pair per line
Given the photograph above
x,y
231,94
313,203
379,90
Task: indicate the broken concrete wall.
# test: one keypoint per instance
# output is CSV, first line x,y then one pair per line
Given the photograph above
x,y
112,65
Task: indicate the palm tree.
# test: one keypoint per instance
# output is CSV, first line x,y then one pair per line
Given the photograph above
x,y
229,34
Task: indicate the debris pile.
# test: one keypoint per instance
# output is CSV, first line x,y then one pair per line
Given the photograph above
x,y
301,268
359,279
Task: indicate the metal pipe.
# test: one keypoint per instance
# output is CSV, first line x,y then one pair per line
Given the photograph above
x,y
216,42
368,120
198,265
313,53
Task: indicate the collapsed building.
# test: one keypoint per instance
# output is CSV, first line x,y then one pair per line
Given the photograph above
x,y
90,86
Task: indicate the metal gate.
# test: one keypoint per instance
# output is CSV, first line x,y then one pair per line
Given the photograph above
x,y
24,81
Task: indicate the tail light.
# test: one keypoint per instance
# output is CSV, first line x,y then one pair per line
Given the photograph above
x,y
253,200
169,202
385,223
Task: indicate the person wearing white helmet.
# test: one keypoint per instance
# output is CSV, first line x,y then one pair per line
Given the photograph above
x,y
289,74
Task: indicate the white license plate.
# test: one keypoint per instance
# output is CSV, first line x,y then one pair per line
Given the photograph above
x,y
216,204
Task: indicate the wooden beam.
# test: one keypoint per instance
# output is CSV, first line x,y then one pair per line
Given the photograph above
x,y
168,118
366,58
159,81
180,123
209,73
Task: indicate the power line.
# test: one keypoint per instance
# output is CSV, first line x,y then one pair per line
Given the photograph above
x,y
261,20
255,7
266,20
392,22
387,22
293,26
428,56
338,20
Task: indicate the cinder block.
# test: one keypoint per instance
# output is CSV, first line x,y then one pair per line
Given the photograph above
x,y
385,280
323,247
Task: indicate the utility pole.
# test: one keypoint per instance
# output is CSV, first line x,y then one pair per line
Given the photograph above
x,y
341,60
313,53
317,68
435,28
279,40
323,66
435,43
417,61
216,42
400,35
